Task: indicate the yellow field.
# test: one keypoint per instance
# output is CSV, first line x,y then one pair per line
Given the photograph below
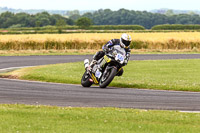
x,y
87,37
173,40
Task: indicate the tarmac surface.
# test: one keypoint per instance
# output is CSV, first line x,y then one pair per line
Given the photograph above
x,y
40,93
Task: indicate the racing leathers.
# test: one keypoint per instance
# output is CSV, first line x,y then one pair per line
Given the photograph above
x,y
107,47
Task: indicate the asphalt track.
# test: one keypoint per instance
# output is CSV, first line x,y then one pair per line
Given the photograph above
x,y
30,92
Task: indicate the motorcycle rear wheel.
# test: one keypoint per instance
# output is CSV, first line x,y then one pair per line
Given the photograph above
x,y
107,78
85,80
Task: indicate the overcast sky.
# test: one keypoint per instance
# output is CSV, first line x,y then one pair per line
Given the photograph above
x,y
101,4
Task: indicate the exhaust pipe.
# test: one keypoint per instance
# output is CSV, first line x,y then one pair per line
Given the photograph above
x,y
86,63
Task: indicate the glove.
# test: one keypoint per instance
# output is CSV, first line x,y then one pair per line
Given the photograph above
x,y
128,55
125,62
127,58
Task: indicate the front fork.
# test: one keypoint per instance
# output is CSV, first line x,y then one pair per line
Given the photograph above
x,y
105,60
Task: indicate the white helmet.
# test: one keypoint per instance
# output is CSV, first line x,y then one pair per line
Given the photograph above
x,y
125,40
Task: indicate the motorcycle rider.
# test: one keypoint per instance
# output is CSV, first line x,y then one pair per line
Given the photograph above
x,y
124,42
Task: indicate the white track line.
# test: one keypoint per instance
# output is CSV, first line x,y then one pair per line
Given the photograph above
x,y
190,112
12,68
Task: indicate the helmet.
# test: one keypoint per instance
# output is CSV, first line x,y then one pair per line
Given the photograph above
x,y
125,40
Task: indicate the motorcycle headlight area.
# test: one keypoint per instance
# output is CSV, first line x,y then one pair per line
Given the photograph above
x,y
119,58
114,53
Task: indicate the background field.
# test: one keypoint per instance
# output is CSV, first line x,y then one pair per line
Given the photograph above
x,y
175,41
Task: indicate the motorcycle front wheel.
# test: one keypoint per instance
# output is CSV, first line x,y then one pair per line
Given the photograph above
x,y
85,80
107,77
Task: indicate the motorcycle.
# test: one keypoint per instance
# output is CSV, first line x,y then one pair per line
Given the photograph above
x,y
103,72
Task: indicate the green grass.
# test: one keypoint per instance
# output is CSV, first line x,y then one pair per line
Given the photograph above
x,y
26,118
46,52
180,75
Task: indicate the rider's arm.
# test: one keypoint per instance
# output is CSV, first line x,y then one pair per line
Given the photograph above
x,y
128,53
108,45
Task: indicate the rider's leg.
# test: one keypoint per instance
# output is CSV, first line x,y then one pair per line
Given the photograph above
x,y
97,56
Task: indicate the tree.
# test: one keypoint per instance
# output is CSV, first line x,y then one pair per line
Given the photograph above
x,y
84,22
74,12
44,18
60,24
37,24
191,13
6,19
169,13
75,17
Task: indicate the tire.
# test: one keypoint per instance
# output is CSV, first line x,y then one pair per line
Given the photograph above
x,y
112,73
85,80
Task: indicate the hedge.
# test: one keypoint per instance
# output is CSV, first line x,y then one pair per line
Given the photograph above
x,y
176,27
94,27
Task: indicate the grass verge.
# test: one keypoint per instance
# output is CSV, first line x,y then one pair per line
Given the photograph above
x,y
179,75
27,118
46,52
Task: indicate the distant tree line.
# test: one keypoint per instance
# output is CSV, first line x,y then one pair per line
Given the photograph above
x,y
131,17
11,20
100,17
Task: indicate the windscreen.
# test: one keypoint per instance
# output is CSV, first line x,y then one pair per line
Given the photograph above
x,y
119,50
